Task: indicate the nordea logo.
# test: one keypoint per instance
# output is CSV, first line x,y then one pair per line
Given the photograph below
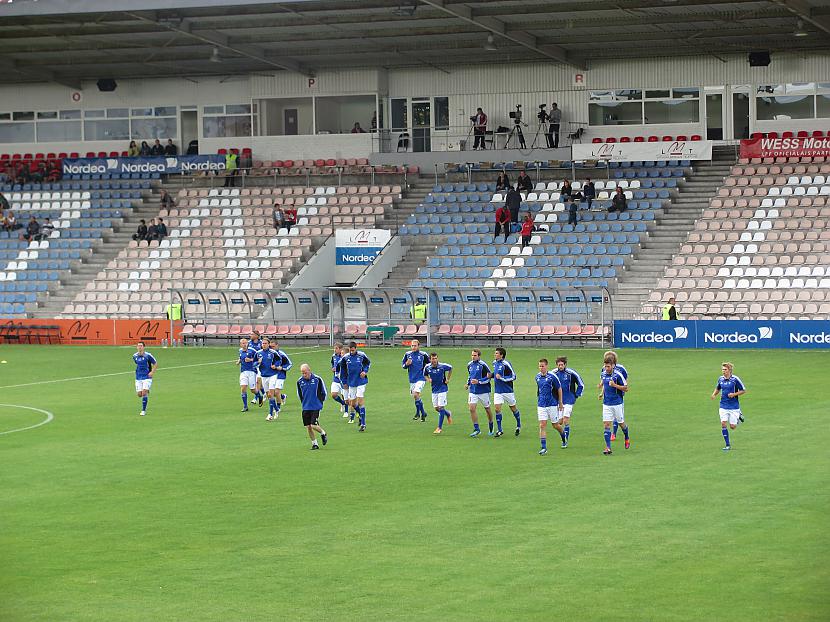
x,y
680,332
764,332
819,338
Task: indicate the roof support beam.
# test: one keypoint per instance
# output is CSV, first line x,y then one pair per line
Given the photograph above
x,y
498,27
805,12
219,40
43,74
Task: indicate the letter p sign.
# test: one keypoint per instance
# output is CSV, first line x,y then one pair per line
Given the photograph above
x,y
312,83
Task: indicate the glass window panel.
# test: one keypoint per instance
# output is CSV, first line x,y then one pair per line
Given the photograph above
x,y
111,129
17,132
785,107
146,129
399,115
5,116
628,94
672,111
658,94
823,106
165,111
142,112
686,92
615,113
23,116
218,127
70,114
93,114
801,88
823,87
59,131
118,113
47,115
238,109
601,96
442,113
213,110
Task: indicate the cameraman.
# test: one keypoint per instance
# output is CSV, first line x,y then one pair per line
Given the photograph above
x,y
554,120
479,120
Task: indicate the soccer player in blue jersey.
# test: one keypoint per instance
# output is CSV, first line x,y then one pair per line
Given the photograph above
x,y
337,380
572,388
355,367
617,367
266,361
478,384
414,362
255,342
145,368
438,376
549,405
730,388
503,378
614,387
247,374
283,364
311,390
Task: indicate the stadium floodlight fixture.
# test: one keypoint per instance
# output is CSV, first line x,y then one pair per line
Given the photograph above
x,y
799,30
490,46
214,57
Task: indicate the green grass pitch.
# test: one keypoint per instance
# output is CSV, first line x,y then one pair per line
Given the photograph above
x,y
199,512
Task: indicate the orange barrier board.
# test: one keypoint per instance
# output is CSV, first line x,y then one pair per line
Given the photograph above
x,y
95,332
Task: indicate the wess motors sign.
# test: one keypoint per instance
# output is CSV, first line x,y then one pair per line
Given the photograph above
x,y
626,152
786,148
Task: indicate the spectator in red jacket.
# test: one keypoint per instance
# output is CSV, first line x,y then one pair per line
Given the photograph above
x,y
502,223
290,215
527,229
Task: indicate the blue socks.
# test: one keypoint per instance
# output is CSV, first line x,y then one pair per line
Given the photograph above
x,y
244,399
490,426
608,438
564,437
272,406
518,416
476,428
144,402
419,408
498,422
340,400
616,426
567,431
725,435
625,432
362,412
440,418
544,443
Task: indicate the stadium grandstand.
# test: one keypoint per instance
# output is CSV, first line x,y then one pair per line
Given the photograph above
x,y
357,120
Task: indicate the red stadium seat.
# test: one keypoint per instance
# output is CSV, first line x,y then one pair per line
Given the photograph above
x,y
639,139
113,154
222,152
653,139
319,163
90,154
667,139
74,154
27,156
610,139
102,154
755,135
803,134
596,140
125,154
288,164
681,137
818,134
772,134
51,156
696,137
40,156
787,135
16,156
625,139
331,162
5,156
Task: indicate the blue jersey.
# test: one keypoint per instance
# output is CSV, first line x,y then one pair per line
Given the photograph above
x,y
733,385
438,376
337,375
572,385
547,390
416,369
256,344
247,353
505,370
610,395
351,365
312,392
478,370
623,371
143,364
264,360
281,360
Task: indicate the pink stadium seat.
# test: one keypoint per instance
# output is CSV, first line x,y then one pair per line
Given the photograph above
x,y
560,331
457,329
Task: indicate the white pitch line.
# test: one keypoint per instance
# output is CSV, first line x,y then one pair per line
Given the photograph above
x,y
49,417
123,373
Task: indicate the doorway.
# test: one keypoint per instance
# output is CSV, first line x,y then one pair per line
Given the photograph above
x,y
421,126
290,123
740,111
714,114
189,130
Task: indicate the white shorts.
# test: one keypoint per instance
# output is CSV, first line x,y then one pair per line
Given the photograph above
x,y
247,378
504,398
336,387
416,387
614,413
356,392
272,383
568,409
479,398
143,385
439,399
546,413
729,415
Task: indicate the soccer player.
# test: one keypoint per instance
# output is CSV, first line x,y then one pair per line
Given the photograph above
x,y
504,376
266,362
624,372
145,367
255,342
247,375
312,394
730,388
572,388
438,375
414,362
614,388
355,367
548,404
478,383
283,364
337,380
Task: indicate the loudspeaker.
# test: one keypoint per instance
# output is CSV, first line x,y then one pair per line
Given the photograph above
x,y
107,84
759,59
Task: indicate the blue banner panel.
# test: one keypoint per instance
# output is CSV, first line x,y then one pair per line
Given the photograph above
x,y
654,334
165,165
350,256
733,334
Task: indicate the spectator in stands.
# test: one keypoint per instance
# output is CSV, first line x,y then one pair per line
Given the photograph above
x,y
357,129
479,120
290,218
527,229
374,122
589,191
21,174
10,222
231,168
145,150
572,205
4,204
513,202
618,201
502,223
502,182
669,311
141,232
37,173
133,151
46,230
554,120
565,191
170,149
53,170
32,229
161,229
167,201
418,313
152,231
278,216
157,149
524,183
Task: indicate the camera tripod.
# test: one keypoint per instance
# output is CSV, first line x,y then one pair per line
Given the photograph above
x,y
516,131
542,129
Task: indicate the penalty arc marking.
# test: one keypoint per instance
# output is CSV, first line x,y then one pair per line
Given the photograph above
x,y
49,417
